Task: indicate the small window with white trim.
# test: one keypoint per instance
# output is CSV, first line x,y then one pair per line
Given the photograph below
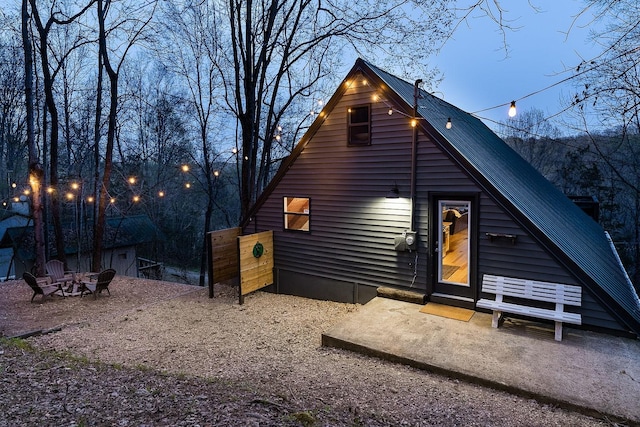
x,y
296,213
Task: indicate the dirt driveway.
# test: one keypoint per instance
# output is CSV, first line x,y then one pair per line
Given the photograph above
x,y
169,355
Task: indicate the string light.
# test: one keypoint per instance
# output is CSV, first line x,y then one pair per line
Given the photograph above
x,y
390,111
160,193
449,123
136,199
512,109
132,180
216,173
185,168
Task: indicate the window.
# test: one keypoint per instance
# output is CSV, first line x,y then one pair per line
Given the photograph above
x,y
296,213
359,125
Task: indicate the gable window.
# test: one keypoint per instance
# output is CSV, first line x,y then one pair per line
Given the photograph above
x,y
359,125
296,213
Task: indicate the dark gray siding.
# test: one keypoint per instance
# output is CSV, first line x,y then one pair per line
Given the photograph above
x,y
353,225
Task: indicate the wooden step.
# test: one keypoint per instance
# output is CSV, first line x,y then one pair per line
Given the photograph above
x,y
405,295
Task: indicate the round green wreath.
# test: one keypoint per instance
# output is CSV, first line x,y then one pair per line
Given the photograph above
x,y
258,250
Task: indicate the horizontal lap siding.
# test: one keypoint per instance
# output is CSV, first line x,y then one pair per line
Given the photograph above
x,y
352,224
527,259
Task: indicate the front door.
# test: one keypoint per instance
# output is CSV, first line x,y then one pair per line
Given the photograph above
x,y
452,266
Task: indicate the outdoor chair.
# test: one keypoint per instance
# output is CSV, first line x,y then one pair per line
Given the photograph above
x,y
41,289
101,283
55,270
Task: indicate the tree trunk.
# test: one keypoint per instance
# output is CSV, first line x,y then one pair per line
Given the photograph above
x,y
36,173
43,31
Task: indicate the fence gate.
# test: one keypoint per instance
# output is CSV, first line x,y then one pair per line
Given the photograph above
x,y
255,253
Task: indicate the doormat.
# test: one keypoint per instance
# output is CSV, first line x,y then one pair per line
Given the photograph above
x,y
448,270
447,311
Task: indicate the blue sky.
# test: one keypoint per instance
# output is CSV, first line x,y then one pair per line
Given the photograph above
x,y
479,74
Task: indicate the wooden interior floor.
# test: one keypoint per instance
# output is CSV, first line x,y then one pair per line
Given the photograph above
x,y
458,255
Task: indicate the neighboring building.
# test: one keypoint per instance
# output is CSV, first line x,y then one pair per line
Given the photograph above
x,y
9,219
122,236
472,205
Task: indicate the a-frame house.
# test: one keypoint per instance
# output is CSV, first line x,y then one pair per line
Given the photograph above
x,y
463,204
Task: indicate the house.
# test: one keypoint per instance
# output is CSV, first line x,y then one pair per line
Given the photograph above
x,y
123,235
9,219
463,204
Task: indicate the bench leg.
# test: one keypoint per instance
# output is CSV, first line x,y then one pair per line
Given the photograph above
x,y
558,331
495,320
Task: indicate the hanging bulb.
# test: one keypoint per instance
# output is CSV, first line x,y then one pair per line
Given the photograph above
x,y
512,109
449,123
390,111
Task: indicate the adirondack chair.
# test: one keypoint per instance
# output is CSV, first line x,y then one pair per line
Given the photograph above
x,y
55,270
38,289
101,283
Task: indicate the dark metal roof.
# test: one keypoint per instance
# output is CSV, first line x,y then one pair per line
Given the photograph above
x,y
574,237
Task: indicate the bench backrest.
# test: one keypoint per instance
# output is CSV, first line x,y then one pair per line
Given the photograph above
x,y
532,289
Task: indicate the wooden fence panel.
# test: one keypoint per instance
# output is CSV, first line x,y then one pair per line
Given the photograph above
x,y
255,253
223,255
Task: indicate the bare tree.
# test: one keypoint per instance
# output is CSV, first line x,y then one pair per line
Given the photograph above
x,y
127,30
535,139
13,146
36,173
280,49
609,95
44,30
194,29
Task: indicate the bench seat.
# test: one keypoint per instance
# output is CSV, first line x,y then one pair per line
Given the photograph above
x,y
541,313
523,289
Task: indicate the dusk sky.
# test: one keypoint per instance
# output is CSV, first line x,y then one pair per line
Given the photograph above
x,y
479,74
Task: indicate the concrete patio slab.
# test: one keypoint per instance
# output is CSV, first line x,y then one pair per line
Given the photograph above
x,y
590,372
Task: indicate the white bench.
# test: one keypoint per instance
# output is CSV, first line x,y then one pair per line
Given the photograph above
x,y
557,293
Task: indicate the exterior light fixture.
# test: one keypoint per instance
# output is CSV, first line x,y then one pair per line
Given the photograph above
x,y
394,193
449,123
512,109
414,123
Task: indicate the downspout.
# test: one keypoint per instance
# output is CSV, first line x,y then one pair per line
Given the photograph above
x,y
414,152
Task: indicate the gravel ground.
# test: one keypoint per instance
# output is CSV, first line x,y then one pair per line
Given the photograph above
x,y
159,353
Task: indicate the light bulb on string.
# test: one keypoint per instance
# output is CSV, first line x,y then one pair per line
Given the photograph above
x,y
512,109
448,123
